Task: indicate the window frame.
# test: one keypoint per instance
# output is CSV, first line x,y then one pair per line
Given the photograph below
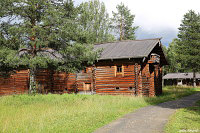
x,y
119,67
117,72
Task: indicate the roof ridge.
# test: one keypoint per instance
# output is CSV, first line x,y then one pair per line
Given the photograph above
x,y
149,39
129,40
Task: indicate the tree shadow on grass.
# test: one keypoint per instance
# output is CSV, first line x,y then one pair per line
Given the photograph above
x,y
184,102
176,98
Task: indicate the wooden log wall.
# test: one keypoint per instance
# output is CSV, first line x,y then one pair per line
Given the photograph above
x,y
152,80
71,82
85,77
146,80
158,79
143,78
55,82
107,80
155,80
135,79
138,79
16,83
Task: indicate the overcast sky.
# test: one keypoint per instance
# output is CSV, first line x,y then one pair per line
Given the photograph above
x,y
155,18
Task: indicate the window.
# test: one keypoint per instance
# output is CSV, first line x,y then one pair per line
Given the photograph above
x,y
130,88
119,69
117,88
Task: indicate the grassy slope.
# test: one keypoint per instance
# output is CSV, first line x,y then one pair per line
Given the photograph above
x,y
185,120
71,113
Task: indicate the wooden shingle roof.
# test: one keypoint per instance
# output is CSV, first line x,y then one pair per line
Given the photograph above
x,y
127,49
47,52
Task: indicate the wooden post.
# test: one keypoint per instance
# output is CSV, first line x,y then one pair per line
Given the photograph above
x,y
152,81
51,72
93,78
122,70
136,78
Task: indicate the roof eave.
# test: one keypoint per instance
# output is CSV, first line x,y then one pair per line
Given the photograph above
x,y
121,58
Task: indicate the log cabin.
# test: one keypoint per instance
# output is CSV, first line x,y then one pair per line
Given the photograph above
x,y
131,67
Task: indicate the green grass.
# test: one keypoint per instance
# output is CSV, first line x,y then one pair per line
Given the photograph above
x,y
185,120
72,113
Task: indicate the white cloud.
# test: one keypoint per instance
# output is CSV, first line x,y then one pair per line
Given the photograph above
x,y
156,16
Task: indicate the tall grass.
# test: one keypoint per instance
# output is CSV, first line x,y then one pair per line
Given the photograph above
x,y
72,113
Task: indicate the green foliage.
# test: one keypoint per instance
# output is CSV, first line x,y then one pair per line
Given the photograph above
x,y
172,57
185,120
42,26
9,59
45,34
188,42
95,22
72,113
123,22
9,36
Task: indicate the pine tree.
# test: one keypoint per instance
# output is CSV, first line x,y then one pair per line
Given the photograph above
x,y
188,44
37,34
123,22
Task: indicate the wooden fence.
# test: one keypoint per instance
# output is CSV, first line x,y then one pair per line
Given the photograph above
x,y
16,83
47,81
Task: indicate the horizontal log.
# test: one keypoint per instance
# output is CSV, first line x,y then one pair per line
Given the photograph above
x,y
119,92
112,89
116,79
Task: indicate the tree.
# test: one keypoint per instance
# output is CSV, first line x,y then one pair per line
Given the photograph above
x,y
172,56
95,22
123,22
37,34
188,43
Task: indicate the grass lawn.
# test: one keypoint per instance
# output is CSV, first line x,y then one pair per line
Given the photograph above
x,y
72,113
185,120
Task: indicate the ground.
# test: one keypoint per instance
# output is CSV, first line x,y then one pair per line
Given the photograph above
x,y
185,120
151,119
72,113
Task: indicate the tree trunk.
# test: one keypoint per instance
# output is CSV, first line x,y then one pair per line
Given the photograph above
x,y
194,79
121,34
32,82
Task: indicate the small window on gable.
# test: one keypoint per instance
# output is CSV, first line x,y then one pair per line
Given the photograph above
x,y
117,88
119,69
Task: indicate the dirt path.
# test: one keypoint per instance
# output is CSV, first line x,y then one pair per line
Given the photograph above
x,y
150,119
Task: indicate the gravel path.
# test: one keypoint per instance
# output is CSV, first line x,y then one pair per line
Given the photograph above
x,y
150,119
